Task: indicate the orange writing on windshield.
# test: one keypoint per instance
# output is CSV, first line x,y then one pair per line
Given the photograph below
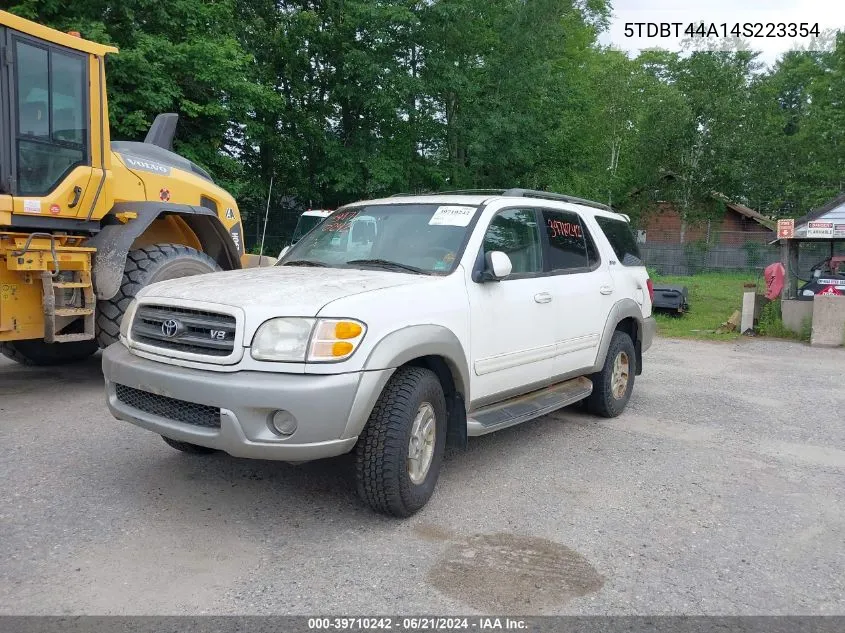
x,y
339,221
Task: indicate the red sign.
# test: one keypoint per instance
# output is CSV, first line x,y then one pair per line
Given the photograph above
x,y
786,229
830,291
55,209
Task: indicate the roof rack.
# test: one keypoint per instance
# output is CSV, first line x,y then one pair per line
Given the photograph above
x,y
519,193
468,192
546,195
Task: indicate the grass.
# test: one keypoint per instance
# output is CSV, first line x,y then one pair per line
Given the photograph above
x,y
713,297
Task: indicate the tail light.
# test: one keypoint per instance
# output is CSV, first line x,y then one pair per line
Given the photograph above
x,y
650,286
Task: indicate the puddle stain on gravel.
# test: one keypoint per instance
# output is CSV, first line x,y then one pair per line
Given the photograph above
x,y
509,573
432,533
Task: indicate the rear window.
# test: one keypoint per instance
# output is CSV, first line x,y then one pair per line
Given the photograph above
x,y
622,240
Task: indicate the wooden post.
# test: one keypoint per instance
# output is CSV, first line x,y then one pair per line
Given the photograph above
x,y
789,259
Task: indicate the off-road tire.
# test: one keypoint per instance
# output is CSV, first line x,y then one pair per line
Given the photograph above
x,y
187,447
40,354
602,401
381,454
143,267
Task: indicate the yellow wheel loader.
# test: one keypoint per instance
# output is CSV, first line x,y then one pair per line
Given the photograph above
x,y
86,222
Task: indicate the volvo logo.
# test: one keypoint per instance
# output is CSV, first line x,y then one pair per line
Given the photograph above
x,y
171,327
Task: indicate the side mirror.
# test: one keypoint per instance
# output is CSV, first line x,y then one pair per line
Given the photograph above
x,y
498,266
284,250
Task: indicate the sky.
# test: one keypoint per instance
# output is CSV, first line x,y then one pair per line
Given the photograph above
x,y
829,14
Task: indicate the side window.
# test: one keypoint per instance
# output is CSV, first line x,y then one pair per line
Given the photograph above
x,y
515,233
618,233
570,246
52,131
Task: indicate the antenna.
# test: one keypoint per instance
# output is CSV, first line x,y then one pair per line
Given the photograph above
x,y
266,216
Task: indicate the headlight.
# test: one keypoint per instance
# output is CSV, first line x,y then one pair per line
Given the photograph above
x,y
297,340
283,340
126,321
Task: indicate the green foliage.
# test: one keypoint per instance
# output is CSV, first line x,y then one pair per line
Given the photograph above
x,y
807,330
338,101
771,324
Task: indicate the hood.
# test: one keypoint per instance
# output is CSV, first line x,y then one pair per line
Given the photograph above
x,y
284,290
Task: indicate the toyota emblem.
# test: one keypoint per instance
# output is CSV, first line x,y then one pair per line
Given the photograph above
x,y
171,327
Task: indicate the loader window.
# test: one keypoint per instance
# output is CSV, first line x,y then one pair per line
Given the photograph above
x,y
52,129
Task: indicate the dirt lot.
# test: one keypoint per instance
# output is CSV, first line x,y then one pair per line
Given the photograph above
x,y
720,491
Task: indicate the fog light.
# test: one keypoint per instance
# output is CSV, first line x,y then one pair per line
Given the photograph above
x,y
283,423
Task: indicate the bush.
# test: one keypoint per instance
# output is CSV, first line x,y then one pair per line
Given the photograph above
x,y
806,329
771,323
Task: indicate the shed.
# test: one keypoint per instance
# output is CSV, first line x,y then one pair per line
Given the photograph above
x,y
664,225
822,229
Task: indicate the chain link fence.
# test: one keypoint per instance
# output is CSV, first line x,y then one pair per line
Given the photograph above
x,y
726,251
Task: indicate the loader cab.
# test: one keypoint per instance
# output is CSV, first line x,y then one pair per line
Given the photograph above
x,y
53,125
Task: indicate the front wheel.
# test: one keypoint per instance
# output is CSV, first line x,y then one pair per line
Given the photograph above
x,y
400,451
612,386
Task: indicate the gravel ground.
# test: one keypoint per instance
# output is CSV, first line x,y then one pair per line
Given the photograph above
x,y
721,490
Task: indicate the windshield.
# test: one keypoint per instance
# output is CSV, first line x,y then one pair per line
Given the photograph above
x,y
423,238
305,224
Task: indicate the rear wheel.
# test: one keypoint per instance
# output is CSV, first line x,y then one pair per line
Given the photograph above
x,y
612,386
145,266
399,453
187,447
39,353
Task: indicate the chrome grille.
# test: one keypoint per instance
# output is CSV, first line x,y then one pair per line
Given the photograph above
x,y
184,330
170,408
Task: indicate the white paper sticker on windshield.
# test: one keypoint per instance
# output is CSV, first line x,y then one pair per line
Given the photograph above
x,y
452,216
32,206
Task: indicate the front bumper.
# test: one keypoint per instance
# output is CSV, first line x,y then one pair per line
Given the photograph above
x,y
649,330
328,408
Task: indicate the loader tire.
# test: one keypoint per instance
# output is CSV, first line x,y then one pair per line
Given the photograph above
x,y
144,266
37,353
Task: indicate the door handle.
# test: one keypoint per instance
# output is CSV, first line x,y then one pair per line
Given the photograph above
x,y
77,193
543,297
606,290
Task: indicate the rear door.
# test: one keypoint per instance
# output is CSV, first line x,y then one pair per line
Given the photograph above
x,y
50,166
583,287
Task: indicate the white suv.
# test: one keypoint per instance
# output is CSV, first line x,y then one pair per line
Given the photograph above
x,y
454,315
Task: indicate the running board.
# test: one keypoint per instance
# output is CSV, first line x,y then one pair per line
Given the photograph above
x,y
527,407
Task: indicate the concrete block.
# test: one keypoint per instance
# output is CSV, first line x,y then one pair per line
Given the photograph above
x,y
747,321
828,321
794,312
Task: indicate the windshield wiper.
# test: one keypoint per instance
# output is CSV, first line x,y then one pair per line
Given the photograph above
x,y
305,262
386,263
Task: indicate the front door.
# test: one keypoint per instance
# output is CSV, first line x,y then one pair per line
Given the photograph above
x,y
513,321
50,168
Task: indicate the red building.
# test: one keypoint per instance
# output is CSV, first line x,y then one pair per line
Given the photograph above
x,y
738,225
